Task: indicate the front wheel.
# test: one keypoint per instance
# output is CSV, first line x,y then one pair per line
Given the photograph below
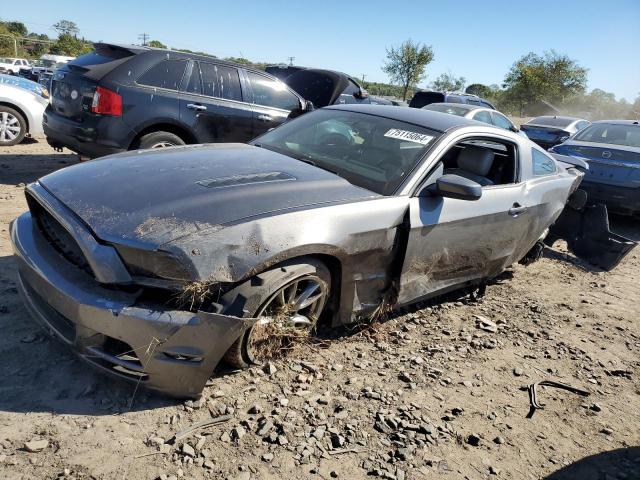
x,y
287,300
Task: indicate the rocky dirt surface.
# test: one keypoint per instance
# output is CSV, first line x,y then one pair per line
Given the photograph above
x,y
436,392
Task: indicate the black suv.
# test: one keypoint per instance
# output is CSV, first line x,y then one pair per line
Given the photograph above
x,y
119,98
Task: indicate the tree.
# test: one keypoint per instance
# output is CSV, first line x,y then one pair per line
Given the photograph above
x,y
16,28
405,64
447,82
480,90
70,45
156,44
552,77
66,27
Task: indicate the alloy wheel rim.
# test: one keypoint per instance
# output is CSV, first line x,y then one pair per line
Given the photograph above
x,y
162,145
298,304
9,127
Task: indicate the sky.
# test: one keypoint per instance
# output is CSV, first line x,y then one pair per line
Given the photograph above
x,y
478,40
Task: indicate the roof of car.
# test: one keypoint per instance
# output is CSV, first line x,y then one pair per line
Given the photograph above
x,y
425,118
559,117
619,122
465,106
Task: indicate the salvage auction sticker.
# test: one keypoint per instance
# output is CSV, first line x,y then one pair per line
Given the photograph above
x,y
408,136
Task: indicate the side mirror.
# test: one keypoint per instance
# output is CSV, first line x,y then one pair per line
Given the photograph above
x,y
361,94
308,106
514,129
454,186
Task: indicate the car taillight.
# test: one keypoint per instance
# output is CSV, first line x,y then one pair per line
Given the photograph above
x,y
106,102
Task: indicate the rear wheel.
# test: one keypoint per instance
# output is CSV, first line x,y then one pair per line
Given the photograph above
x,y
159,140
288,300
13,126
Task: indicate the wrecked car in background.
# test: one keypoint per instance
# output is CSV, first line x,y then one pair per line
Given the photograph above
x,y
327,87
335,216
549,130
612,150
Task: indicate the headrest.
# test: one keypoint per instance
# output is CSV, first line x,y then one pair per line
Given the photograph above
x,y
476,160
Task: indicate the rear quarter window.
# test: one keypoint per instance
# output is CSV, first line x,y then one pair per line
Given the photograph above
x,y
543,164
166,74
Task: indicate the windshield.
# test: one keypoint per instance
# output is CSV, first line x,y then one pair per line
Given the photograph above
x,y
628,135
445,108
371,152
552,121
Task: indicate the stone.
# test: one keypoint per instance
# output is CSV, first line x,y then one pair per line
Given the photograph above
x,y
35,446
473,440
238,432
188,450
518,372
267,457
499,440
269,368
255,409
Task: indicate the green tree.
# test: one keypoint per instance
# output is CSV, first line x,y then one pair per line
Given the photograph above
x,y
66,27
156,44
405,64
16,28
70,45
480,90
552,77
447,82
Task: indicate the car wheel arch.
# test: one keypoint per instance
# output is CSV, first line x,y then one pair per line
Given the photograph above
x,y
18,109
170,127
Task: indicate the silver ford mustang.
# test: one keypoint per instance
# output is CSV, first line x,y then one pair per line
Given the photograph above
x,y
155,265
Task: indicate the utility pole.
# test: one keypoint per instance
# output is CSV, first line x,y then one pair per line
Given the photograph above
x,y
291,59
144,37
363,75
15,43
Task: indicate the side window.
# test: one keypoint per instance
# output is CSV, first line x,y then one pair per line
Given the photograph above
x,y
220,81
166,74
483,117
543,164
473,101
270,93
501,121
581,125
485,161
347,95
195,83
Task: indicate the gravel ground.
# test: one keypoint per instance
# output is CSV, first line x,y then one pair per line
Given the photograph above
x,y
436,392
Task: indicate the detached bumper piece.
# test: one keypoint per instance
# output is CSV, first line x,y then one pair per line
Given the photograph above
x,y
171,351
586,231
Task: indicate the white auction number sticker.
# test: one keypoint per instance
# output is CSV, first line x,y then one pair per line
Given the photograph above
x,y
408,136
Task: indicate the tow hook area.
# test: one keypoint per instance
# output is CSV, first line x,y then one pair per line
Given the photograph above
x,y
586,231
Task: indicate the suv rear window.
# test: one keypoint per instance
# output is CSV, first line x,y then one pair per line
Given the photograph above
x,y
96,64
166,74
220,81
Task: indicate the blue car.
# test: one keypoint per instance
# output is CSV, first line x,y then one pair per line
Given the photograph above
x,y
612,150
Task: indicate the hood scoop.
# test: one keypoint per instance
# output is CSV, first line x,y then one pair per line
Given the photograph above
x,y
245,179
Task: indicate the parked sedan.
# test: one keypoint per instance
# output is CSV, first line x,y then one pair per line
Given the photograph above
x,y
207,250
612,150
548,131
475,112
22,105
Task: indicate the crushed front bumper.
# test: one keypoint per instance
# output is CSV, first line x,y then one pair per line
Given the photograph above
x,y
171,351
621,200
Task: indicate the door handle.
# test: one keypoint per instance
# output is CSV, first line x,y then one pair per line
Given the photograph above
x,y
264,118
517,209
195,106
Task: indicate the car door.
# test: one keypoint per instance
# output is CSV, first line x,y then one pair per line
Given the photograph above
x,y
212,103
454,242
272,102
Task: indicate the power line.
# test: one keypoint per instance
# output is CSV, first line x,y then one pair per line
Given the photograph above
x,y
144,37
291,59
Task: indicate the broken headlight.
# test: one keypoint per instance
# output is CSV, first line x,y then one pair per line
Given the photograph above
x,y
157,264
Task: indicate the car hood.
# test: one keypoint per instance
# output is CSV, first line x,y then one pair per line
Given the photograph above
x,y
148,198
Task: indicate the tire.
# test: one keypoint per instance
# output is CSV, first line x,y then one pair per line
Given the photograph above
x,y
159,140
257,297
13,126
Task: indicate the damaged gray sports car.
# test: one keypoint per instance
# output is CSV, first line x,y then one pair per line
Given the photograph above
x,y
155,265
